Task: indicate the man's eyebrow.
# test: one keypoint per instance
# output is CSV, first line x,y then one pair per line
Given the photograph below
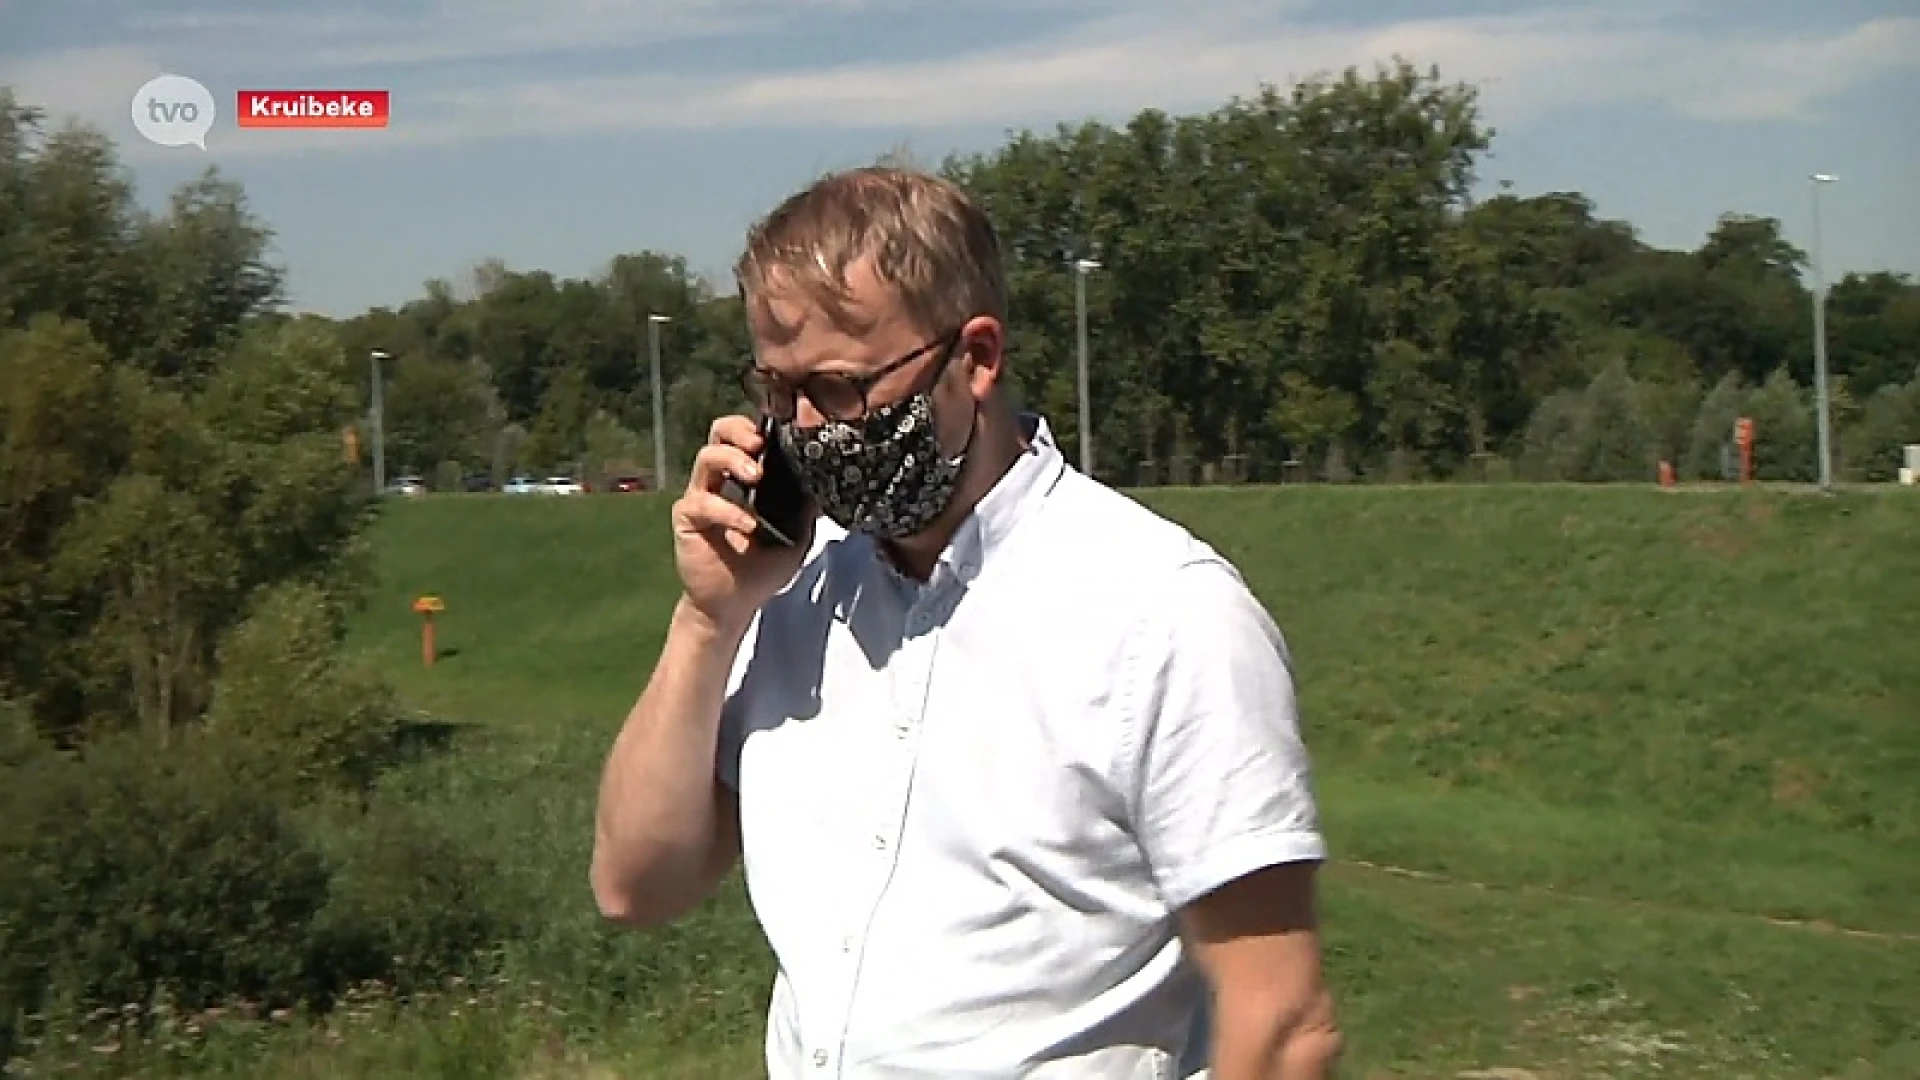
x,y
836,365
841,364
841,367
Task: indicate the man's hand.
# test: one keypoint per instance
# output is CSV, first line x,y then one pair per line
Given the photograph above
x,y
726,577
1257,941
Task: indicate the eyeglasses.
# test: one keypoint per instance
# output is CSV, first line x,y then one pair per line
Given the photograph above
x,y
835,396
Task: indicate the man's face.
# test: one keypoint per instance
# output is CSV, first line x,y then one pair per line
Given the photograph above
x,y
795,339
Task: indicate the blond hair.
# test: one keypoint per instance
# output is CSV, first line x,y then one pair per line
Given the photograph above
x,y
928,241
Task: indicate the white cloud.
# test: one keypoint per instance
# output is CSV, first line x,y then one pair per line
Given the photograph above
x,y
93,85
1125,56
1526,66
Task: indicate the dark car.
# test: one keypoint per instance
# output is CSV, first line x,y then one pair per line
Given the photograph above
x,y
629,484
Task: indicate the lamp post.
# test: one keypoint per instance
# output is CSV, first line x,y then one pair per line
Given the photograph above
x,y
376,417
1821,404
1081,268
660,480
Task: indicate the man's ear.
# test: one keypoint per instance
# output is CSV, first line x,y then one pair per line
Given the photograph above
x,y
984,345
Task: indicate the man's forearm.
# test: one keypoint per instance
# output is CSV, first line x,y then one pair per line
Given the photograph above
x,y
1275,1042
656,830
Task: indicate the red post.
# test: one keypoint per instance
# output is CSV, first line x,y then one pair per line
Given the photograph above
x,y
1666,474
427,607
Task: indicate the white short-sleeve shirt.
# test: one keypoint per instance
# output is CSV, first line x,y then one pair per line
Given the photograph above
x,y
970,809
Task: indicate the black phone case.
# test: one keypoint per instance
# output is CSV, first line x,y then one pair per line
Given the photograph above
x,y
778,502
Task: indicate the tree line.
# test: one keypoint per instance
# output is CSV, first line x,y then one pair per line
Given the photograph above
x,y
189,763
1296,283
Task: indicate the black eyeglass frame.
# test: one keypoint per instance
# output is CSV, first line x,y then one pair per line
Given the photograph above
x,y
767,389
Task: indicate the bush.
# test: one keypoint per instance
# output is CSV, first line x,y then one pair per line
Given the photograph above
x,y
1598,435
1713,429
138,873
1550,442
411,903
1616,441
1785,446
20,745
1888,422
1670,409
134,873
319,721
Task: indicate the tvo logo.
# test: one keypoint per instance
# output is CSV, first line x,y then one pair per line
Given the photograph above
x,y
173,110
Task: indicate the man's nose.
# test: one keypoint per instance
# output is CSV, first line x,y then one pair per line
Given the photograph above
x,y
804,413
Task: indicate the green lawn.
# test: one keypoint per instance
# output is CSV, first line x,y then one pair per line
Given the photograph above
x,y
1584,754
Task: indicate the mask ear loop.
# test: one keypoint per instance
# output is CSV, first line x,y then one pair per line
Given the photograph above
x,y
973,426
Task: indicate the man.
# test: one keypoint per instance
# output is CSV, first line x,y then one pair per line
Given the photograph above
x,y
1013,763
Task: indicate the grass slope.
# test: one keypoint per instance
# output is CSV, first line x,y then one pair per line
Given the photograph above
x,y
1580,749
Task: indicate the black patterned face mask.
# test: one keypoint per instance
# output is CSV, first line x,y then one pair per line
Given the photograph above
x,y
883,474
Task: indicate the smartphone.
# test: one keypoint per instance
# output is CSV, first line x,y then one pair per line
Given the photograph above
x,y
778,502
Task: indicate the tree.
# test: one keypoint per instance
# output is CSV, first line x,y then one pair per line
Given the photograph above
x,y
440,411
1298,272
1710,444
1874,448
171,447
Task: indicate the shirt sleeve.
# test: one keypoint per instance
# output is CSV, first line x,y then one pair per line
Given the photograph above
x,y
1220,779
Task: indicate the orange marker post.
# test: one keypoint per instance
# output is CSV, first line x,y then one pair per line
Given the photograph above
x,y
427,607
1743,435
1666,474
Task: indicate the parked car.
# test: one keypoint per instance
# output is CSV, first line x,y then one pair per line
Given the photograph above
x,y
520,485
629,484
562,485
407,485
476,482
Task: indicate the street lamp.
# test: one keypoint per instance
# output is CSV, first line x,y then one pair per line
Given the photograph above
x,y
1821,405
659,402
1081,268
376,416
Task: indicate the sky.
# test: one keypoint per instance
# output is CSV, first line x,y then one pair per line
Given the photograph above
x,y
556,134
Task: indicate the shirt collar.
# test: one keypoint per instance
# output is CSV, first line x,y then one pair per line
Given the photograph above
x,y
1026,482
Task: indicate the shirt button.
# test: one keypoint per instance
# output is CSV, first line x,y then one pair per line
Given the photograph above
x,y
879,843
819,1059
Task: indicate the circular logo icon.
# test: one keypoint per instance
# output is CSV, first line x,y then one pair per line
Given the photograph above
x,y
173,110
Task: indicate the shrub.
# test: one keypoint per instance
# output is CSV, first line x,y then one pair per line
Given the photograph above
x,y
411,903
1785,446
319,721
1598,435
1670,409
1713,429
1616,441
134,872
20,745
1889,421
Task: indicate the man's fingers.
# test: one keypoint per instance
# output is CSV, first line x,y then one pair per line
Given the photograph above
x,y
738,431
706,511
717,461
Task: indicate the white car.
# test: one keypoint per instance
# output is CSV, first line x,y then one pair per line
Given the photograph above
x,y
408,485
521,485
562,485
